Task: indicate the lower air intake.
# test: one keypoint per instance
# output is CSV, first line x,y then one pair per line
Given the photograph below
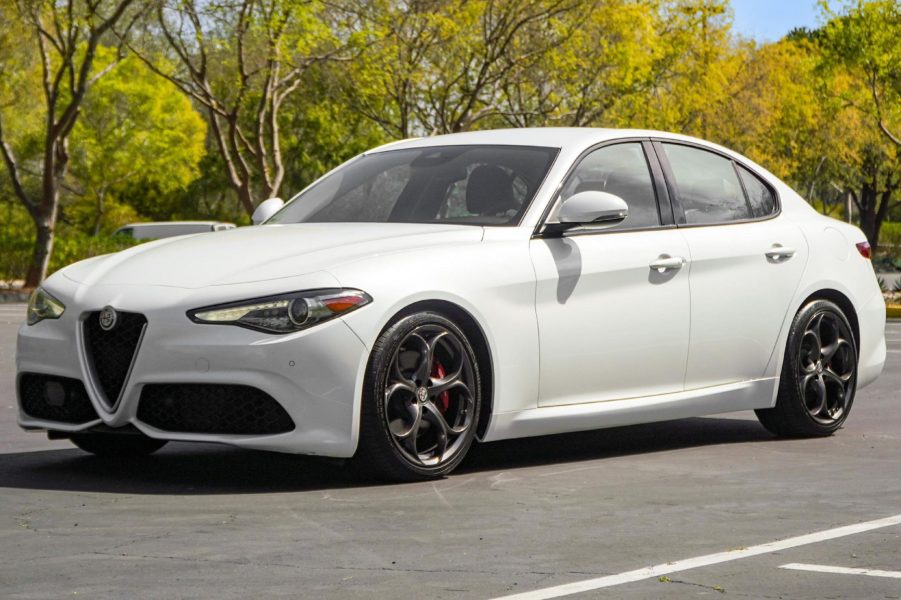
x,y
212,408
52,398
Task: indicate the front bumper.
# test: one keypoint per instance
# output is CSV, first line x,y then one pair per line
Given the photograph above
x,y
312,374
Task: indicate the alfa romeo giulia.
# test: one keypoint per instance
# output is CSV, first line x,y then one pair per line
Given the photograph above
x,y
476,286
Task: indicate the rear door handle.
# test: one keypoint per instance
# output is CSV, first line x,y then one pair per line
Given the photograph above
x,y
665,262
778,251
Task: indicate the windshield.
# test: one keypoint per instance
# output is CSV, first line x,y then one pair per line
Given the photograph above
x,y
470,185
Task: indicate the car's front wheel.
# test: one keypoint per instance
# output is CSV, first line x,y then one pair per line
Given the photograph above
x,y
117,445
819,374
421,399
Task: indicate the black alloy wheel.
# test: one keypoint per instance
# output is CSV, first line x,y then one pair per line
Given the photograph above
x,y
819,374
421,399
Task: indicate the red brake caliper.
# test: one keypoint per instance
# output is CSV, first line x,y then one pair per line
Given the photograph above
x,y
443,400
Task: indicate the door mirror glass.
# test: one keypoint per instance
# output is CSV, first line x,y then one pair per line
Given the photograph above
x,y
593,208
266,209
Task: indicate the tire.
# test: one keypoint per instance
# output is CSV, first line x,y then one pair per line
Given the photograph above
x,y
117,445
421,400
819,374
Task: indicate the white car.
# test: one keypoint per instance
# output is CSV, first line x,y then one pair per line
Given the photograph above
x,y
484,285
165,229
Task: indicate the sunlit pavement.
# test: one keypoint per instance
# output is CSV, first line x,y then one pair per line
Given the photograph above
x,y
523,516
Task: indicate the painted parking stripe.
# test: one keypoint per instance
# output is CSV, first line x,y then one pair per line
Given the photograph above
x,y
588,585
842,570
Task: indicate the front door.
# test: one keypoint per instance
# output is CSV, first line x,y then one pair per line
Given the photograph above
x,y
613,305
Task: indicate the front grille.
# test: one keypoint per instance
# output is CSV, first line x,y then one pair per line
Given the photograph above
x,y
54,398
212,408
111,353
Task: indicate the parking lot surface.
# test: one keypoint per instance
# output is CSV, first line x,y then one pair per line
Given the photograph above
x,y
691,508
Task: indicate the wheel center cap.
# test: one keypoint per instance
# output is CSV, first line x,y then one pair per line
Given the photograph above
x,y
422,394
819,368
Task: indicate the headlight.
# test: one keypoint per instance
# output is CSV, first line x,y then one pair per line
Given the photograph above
x,y
284,313
42,306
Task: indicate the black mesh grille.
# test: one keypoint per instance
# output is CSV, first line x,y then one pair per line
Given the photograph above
x,y
111,352
212,408
55,399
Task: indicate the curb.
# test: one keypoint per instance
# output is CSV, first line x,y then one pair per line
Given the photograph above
x,y
11,297
893,311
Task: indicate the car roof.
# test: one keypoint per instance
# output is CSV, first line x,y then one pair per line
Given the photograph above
x,y
167,223
553,137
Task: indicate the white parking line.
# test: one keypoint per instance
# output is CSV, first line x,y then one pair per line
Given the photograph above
x,y
702,561
842,570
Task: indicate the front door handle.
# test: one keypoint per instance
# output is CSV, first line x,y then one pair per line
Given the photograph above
x,y
780,252
665,262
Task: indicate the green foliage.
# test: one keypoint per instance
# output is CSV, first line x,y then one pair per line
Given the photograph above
x,y
865,40
246,99
136,129
72,245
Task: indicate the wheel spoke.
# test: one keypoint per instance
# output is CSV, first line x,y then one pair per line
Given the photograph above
x,y
434,413
424,364
398,386
447,383
818,388
397,373
836,378
433,416
830,350
814,330
413,430
424,370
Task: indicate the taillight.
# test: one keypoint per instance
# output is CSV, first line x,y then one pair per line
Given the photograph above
x,y
865,250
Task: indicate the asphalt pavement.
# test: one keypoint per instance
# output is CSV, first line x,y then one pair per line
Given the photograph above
x,y
692,508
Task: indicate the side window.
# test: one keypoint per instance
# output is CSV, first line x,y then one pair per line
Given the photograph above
x,y
621,170
708,186
760,197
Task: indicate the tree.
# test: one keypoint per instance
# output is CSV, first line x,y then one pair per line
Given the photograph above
x,y
65,37
581,64
134,128
861,56
241,60
440,67
866,42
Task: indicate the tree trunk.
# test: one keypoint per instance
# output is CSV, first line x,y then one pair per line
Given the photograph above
x,y
40,259
868,221
869,228
101,209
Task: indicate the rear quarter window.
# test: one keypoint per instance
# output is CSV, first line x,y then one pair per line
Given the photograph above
x,y
760,197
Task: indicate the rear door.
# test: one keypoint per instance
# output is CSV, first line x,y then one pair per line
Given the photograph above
x,y
746,263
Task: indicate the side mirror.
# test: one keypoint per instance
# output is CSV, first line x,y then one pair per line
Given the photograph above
x,y
593,208
266,209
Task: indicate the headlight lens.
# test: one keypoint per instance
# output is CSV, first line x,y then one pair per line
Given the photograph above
x,y
42,306
285,313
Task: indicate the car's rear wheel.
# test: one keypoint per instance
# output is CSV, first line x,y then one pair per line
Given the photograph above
x,y
819,374
421,400
117,445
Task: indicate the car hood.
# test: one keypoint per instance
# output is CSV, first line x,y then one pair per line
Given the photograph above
x,y
261,253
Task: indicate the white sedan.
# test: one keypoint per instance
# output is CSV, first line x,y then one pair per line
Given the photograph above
x,y
484,285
